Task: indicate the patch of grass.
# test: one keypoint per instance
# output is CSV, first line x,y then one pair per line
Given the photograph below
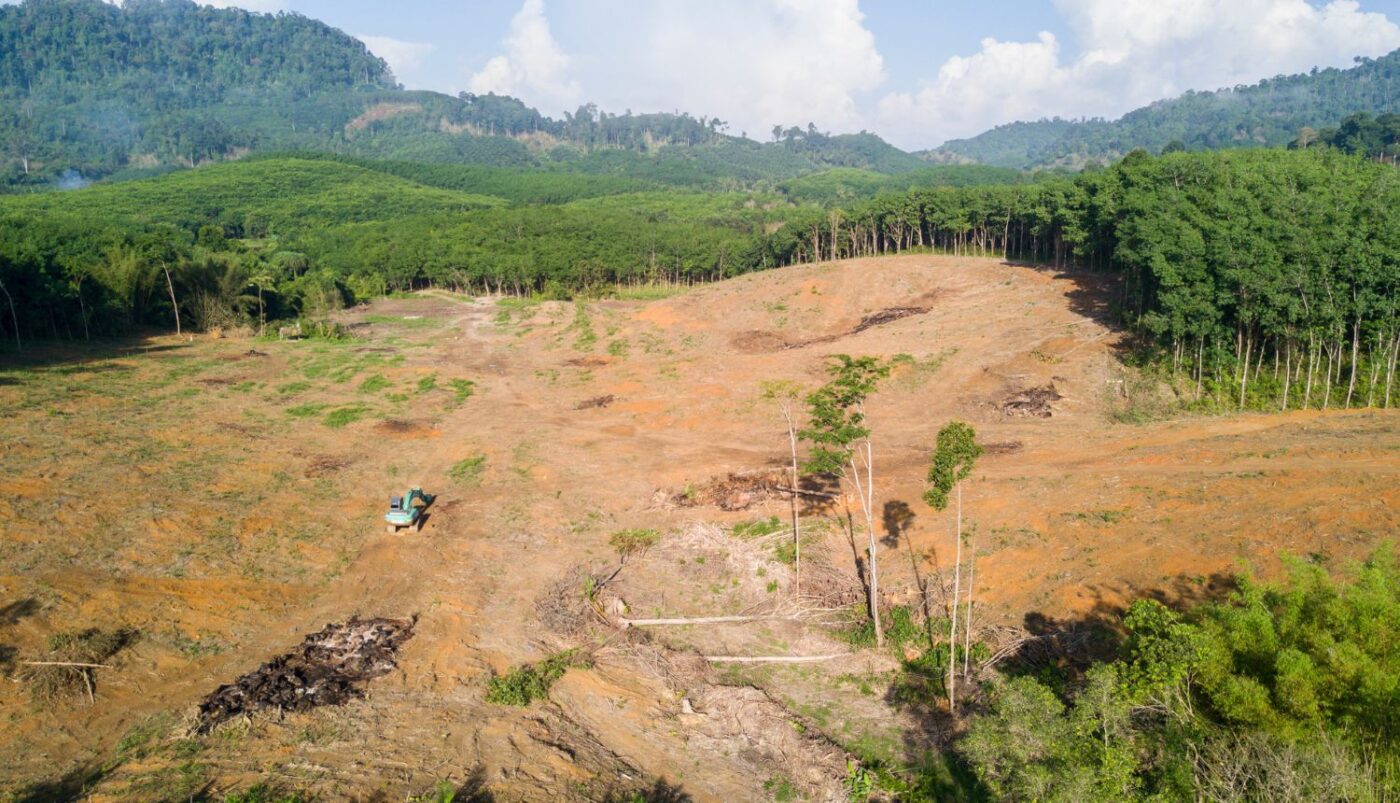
x,y
141,739
405,321
586,338
468,471
619,348
780,788
292,388
342,416
531,682
646,292
169,784
427,383
462,389
899,623
757,528
374,384
1104,516
912,372
265,793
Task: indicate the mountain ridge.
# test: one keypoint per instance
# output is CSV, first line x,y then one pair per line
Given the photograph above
x,y
1267,113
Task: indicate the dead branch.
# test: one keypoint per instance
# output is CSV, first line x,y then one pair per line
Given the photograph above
x,y
66,663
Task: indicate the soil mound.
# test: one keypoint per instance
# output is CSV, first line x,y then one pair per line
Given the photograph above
x,y
327,669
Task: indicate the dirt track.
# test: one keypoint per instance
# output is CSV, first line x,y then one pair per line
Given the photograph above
x,y
273,532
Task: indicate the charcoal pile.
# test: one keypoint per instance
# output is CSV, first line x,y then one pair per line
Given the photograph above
x,y
326,669
1032,403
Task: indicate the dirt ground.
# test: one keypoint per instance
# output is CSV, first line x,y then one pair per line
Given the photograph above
x,y
223,498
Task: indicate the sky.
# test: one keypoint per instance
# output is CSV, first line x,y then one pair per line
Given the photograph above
x,y
917,72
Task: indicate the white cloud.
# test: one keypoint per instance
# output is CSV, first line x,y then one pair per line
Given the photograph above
x,y
752,63
533,67
1132,52
405,58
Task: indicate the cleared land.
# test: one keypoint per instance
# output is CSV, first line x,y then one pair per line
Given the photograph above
x,y
222,497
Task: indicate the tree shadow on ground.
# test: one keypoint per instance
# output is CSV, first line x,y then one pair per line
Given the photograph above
x,y
77,356
1055,649
10,615
73,785
662,791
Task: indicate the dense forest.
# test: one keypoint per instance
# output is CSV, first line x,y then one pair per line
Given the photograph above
x,y
1271,112
90,89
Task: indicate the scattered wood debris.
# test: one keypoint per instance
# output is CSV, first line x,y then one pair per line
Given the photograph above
x,y
735,491
885,316
595,403
323,466
1031,403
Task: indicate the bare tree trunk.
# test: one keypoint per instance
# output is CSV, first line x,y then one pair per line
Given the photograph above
x,y
1287,374
1244,375
1312,369
971,594
796,519
865,494
14,316
1355,345
953,628
1327,386
1390,370
171,286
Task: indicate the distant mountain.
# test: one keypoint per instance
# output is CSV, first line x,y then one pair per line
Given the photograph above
x,y
91,89
1271,112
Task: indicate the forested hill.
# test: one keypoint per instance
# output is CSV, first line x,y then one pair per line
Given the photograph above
x,y
90,89
1271,112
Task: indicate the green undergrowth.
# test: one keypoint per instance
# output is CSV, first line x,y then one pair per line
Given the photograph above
x,y
530,682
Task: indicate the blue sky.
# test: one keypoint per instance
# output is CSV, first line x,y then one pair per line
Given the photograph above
x,y
917,72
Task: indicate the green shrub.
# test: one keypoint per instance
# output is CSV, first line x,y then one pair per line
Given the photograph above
x,y
525,684
633,542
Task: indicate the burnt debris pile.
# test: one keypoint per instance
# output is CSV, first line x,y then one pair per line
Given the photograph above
x,y
328,668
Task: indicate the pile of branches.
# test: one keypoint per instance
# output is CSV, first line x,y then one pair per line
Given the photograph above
x,y
1032,403
68,665
736,490
326,669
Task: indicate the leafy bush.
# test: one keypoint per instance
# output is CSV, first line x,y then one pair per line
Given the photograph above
x,y
530,682
628,543
1285,691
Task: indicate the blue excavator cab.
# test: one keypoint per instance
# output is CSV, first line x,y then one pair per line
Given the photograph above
x,y
407,510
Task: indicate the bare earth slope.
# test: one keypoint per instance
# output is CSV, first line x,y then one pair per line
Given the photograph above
x,y
223,498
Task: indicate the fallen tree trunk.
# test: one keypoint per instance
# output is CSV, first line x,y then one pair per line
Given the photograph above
x,y
703,620
773,659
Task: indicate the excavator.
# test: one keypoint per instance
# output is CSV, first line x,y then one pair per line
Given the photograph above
x,y
407,510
